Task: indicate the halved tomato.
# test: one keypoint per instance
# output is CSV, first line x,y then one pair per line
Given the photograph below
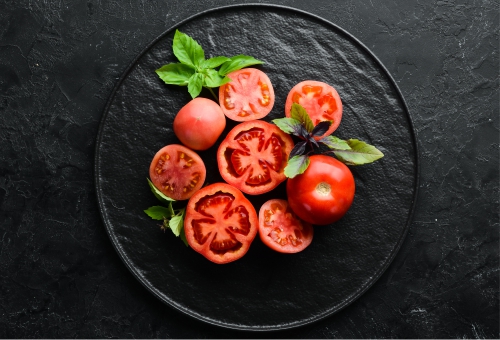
x,y
249,95
177,171
220,223
321,101
281,230
253,156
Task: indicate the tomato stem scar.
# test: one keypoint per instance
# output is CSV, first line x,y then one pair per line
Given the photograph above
x,y
323,188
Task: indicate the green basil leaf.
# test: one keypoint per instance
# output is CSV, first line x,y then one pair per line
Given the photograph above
x,y
176,224
213,79
296,166
157,212
175,73
213,62
299,113
187,50
288,125
158,194
183,237
335,143
360,153
195,84
237,63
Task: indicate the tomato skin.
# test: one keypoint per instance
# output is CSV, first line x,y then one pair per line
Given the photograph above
x,y
253,156
178,172
220,223
249,95
281,230
323,193
199,123
321,101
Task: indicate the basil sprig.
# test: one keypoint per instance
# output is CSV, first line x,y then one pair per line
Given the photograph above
x,y
173,219
196,72
350,152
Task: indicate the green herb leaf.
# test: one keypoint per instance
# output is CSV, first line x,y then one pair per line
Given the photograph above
x,y
213,79
213,62
237,63
176,224
175,74
360,153
299,113
288,125
296,166
158,212
187,50
195,84
158,194
335,143
183,237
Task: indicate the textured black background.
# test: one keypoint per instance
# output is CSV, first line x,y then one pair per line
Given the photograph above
x,y
59,274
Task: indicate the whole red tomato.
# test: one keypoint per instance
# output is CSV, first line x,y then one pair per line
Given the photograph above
x,y
199,123
323,193
220,223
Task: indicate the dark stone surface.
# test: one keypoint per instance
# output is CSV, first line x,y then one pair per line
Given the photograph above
x,y
59,274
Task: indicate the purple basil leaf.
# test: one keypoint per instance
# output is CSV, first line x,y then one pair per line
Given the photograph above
x,y
321,128
298,149
312,140
302,132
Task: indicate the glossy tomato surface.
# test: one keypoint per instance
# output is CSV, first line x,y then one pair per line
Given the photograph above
x,y
177,171
199,123
281,230
323,193
253,156
220,223
321,101
249,95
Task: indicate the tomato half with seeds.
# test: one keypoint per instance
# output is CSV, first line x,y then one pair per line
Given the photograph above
x,y
249,95
253,156
321,101
177,171
220,223
281,230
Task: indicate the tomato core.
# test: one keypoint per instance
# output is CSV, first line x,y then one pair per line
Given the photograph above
x,y
323,189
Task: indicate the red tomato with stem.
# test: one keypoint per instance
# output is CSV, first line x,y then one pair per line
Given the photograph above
x,y
249,95
220,223
199,123
323,193
321,101
177,171
281,230
253,156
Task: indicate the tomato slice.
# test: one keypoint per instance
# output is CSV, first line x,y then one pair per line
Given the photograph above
x,y
249,95
281,230
321,101
220,223
253,156
177,171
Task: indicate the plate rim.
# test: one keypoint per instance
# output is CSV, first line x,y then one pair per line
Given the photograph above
x,y
191,313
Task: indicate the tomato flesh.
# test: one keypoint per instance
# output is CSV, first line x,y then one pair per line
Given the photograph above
x,y
280,228
253,156
220,223
177,171
320,100
323,193
249,95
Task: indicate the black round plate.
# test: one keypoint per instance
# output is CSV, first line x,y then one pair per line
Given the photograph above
x,y
264,290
